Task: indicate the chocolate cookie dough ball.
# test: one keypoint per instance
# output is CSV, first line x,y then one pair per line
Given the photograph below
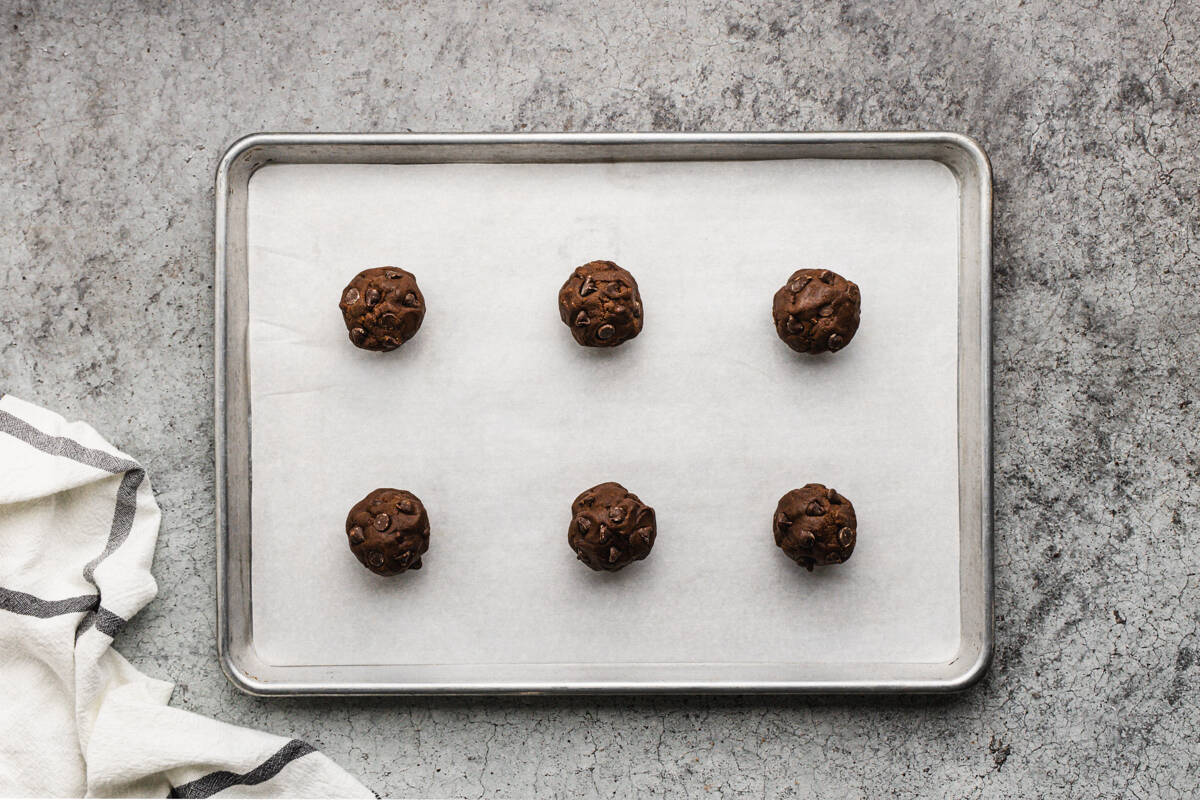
x,y
816,311
383,308
388,531
601,305
610,527
815,526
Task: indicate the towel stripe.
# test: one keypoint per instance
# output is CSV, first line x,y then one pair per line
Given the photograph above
x,y
126,508
122,518
102,620
221,780
62,446
107,622
31,606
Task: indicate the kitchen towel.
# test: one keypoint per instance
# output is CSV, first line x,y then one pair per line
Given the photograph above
x,y
78,523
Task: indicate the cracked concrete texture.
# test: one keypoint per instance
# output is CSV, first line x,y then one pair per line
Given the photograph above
x,y
113,122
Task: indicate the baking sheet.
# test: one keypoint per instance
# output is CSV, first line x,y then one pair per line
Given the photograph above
x,y
496,419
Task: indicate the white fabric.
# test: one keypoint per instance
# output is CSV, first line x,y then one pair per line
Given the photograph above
x,y
78,523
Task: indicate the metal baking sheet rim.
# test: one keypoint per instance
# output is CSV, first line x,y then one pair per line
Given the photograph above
x,y
961,154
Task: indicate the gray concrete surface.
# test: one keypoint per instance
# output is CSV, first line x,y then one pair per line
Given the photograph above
x,y
113,118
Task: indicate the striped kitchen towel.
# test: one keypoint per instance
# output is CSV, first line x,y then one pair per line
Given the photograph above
x,y
78,523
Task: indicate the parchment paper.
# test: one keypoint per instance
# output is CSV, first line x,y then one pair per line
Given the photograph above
x,y
497,420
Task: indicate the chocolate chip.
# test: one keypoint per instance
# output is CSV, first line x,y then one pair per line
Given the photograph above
x,y
391,342
617,514
781,519
587,287
806,539
614,289
613,555
372,297
582,319
637,310
644,534
826,311
814,509
836,342
795,324
358,335
846,537
375,558
389,320
407,507
351,295
618,310
605,332
382,521
395,276
415,565
356,535
410,300
583,524
795,286
826,276
833,496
